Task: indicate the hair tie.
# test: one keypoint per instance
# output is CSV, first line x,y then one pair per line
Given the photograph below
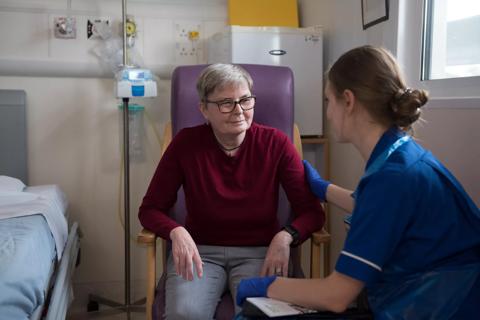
x,y
399,96
406,92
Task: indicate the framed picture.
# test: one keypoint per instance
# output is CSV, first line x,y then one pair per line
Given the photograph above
x,y
373,12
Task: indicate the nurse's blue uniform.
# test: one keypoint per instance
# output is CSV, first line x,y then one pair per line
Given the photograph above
x,y
414,236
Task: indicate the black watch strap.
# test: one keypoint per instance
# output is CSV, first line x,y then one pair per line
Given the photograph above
x,y
294,233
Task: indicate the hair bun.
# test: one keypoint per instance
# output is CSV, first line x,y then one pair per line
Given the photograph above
x,y
406,104
402,93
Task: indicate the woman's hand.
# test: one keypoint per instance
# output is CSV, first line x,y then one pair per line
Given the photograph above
x,y
278,254
185,254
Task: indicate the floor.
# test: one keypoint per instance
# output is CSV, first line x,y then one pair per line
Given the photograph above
x,y
110,314
108,310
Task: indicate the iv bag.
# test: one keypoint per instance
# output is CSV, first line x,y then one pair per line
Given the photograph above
x,y
136,131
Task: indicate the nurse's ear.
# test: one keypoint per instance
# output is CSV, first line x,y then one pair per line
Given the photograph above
x,y
349,100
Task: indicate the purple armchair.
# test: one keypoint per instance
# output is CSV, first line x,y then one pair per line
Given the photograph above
x,y
273,87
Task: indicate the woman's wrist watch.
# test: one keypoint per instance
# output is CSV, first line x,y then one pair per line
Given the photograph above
x,y
294,233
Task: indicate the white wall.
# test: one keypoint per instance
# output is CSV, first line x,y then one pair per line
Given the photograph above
x,y
73,120
450,133
32,49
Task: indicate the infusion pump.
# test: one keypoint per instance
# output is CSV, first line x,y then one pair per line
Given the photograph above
x,y
135,83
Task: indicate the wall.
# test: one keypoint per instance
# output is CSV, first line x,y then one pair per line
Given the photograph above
x,y
73,120
450,133
161,41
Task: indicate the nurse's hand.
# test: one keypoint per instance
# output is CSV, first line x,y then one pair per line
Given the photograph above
x,y
317,184
253,287
185,254
278,254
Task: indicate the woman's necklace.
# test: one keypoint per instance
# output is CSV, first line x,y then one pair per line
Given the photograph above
x,y
229,150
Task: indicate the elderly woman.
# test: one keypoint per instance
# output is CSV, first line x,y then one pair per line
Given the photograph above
x,y
231,169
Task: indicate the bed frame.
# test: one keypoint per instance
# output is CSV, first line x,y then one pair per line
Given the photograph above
x,y
13,163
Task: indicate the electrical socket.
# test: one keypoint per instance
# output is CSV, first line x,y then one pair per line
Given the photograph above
x,y
65,27
187,41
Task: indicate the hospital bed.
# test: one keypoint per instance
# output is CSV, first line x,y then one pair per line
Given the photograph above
x,y
38,249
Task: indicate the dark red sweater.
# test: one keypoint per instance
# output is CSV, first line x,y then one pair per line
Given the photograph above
x,y
231,201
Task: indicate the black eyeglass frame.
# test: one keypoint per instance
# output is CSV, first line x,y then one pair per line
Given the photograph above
x,y
235,102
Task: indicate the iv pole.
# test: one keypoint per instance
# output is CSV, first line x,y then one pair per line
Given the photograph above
x,y
126,166
94,300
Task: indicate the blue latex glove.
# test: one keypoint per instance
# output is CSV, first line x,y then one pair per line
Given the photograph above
x,y
317,184
253,287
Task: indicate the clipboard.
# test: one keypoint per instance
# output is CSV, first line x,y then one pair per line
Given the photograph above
x,y
254,309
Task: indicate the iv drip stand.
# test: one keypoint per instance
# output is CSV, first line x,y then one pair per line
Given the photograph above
x,y
95,300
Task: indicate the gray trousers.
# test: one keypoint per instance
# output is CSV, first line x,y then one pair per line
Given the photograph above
x,y
223,269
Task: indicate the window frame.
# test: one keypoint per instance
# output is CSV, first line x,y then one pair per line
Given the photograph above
x,y
447,93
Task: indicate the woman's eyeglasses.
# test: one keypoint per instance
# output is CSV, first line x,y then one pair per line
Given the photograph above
x,y
228,105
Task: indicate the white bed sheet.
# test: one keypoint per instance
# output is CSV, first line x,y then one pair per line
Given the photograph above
x,y
47,200
52,192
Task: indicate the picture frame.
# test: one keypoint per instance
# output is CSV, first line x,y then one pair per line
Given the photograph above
x,y
374,12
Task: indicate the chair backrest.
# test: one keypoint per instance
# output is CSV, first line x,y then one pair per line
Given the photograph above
x,y
273,86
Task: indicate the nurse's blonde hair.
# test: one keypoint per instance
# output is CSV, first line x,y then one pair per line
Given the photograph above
x,y
374,77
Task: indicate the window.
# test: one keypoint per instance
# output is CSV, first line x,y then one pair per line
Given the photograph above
x,y
451,39
424,55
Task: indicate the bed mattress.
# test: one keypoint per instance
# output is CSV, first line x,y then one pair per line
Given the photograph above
x,y
28,256
27,259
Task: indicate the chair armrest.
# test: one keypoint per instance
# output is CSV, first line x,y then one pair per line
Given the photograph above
x,y
146,237
321,236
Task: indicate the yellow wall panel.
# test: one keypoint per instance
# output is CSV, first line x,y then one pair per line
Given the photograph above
x,y
280,13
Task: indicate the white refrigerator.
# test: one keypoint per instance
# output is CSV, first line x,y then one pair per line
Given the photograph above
x,y
300,49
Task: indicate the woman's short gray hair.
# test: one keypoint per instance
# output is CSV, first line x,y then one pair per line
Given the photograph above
x,y
220,75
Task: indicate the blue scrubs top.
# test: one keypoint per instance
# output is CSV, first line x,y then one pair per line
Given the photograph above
x,y
414,238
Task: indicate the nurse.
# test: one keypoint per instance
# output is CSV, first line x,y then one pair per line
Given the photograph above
x,y
414,238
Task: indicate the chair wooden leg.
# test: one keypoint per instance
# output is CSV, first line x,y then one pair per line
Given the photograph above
x,y
151,279
315,255
326,259
320,244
